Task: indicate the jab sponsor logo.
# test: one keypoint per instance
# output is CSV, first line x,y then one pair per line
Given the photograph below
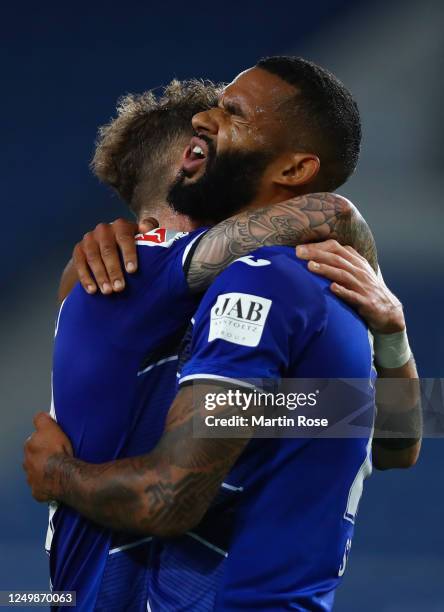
x,y
239,318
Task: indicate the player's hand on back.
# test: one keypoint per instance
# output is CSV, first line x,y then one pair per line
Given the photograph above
x,y
97,259
355,281
46,444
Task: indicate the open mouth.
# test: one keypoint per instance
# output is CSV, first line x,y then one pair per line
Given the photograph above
x,y
195,156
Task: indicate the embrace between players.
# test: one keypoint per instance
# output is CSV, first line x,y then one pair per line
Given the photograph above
x,y
144,514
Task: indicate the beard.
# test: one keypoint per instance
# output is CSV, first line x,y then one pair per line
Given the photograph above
x,y
230,182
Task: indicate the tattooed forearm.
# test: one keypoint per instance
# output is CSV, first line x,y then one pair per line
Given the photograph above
x,y
353,230
165,492
310,218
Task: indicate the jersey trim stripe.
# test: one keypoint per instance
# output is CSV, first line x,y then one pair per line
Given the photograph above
x,y
214,377
189,251
113,551
207,544
225,485
158,363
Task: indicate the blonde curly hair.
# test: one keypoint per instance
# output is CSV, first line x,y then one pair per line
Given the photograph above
x,y
135,146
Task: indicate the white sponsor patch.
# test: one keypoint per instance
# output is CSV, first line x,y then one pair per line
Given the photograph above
x,y
239,318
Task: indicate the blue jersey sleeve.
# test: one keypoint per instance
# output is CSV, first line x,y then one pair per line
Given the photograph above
x,y
146,312
104,343
255,320
168,253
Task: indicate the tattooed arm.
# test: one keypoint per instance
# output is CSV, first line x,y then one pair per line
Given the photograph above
x,y
164,493
310,218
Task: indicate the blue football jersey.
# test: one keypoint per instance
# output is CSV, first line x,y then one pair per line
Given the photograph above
x,y
277,536
114,378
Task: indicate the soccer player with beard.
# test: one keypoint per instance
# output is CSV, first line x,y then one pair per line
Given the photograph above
x,y
113,376
169,490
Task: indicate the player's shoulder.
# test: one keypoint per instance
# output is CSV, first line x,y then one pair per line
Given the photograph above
x,y
270,284
165,244
275,268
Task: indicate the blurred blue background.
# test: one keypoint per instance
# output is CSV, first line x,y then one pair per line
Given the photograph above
x,y
63,67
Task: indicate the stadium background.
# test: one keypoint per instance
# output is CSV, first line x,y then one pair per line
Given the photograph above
x,y
63,66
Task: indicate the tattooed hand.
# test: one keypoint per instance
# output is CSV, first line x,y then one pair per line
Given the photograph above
x,y
311,218
164,493
43,450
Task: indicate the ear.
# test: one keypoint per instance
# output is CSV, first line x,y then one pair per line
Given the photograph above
x,y
295,169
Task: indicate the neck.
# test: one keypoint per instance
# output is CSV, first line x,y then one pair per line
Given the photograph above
x,y
168,218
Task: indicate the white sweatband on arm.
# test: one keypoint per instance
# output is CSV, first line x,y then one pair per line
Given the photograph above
x,y
391,350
